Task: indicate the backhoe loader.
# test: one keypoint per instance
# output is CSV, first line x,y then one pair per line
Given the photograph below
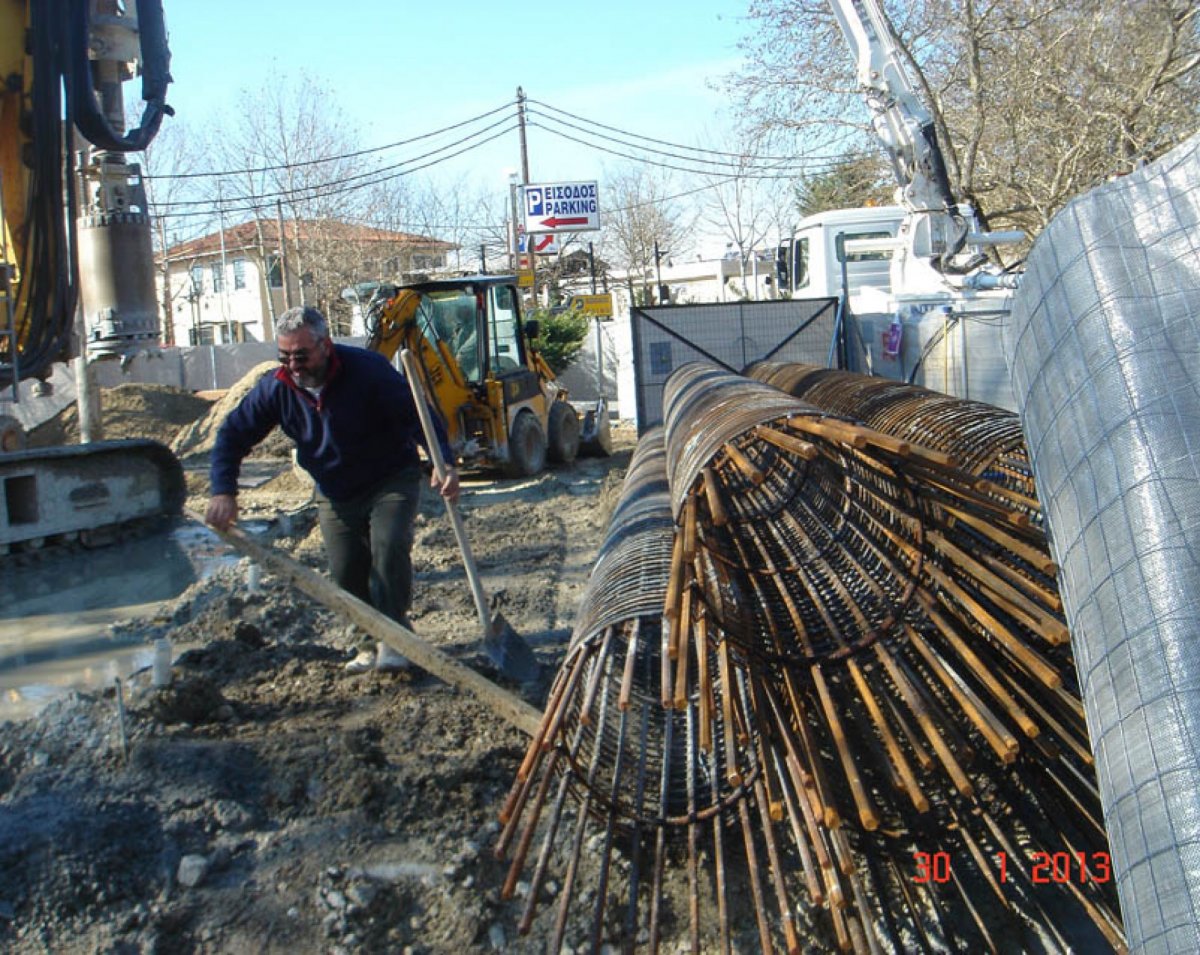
x,y
496,396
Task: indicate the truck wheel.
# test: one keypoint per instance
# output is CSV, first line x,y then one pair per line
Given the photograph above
x,y
564,433
526,446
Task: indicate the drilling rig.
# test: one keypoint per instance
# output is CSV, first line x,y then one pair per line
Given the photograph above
x,y
76,262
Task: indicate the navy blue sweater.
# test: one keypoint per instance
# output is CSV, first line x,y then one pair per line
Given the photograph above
x,y
362,429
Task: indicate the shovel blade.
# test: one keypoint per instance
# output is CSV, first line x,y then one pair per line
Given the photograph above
x,y
510,654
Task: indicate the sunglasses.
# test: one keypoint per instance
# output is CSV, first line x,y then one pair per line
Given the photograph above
x,y
300,355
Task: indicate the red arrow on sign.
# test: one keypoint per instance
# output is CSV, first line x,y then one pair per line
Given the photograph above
x,y
539,244
554,222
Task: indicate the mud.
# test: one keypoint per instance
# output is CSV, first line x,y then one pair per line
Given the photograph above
x,y
267,801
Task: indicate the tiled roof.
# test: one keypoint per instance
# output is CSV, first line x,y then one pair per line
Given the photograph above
x,y
245,236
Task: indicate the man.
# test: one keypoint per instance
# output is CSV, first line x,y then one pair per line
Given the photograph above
x,y
356,429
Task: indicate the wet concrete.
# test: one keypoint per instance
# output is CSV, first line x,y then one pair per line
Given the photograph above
x,y
64,622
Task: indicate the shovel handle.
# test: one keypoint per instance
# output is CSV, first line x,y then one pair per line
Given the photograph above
x,y
413,373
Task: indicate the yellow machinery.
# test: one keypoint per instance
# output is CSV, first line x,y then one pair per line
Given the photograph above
x,y
76,234
495,395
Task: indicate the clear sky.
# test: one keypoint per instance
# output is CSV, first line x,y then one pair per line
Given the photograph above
x,y
402,68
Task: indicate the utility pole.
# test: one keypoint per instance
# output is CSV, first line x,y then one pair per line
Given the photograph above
x,y
224,270
168,317
284,274
514,231
658,291
521,130
529,250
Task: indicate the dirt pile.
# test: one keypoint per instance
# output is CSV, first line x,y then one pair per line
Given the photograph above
x,y
197,438
130,410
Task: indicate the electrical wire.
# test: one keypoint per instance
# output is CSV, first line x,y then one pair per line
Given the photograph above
x,y
747,164
686,159
741,174
326,190
230,173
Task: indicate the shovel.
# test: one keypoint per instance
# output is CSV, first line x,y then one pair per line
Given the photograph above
x,y
503,645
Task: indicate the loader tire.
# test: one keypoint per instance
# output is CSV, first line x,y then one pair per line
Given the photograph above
x,y
563,425
526,446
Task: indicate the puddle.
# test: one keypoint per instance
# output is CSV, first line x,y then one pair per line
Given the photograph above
x,y
56,617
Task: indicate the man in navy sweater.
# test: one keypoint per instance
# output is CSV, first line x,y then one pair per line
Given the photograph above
x,y
356,429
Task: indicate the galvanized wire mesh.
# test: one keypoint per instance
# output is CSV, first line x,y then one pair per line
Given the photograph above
x,y
1104,347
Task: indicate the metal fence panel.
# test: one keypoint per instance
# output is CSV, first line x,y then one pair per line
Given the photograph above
x,y
731,334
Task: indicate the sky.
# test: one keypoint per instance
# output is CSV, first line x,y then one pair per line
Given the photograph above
x,y
400,69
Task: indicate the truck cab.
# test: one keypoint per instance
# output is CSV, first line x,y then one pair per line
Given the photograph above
x,y
809,263
904,319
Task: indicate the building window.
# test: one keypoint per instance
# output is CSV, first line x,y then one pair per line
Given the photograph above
x,y
218,277
202,335
197,279
239,273
274,271
423,261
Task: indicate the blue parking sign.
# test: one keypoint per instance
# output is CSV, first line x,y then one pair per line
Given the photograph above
x,y
534,201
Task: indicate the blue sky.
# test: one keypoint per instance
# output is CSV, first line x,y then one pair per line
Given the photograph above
x,y
400,69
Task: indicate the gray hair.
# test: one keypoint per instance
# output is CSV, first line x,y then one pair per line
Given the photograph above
x,y
302,316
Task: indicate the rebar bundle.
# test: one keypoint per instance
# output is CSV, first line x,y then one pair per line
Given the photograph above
x,y
820,667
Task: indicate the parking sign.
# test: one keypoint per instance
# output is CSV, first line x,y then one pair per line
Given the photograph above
x,y
561,207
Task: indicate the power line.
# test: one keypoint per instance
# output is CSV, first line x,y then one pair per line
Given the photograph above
x,y
832,160
325,190
745,163
665,165
231,173
731,167
369,178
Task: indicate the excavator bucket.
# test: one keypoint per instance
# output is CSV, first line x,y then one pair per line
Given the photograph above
x,y
595,437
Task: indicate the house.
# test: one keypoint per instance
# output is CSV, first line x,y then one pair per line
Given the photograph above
x,y
230,285
727,279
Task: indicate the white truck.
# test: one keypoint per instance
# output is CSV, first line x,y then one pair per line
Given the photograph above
x,y
921,300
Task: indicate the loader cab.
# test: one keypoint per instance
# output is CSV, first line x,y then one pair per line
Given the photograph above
x,y
506,350
479,323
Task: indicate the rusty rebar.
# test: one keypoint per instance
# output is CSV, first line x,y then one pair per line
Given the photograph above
x,y
836,642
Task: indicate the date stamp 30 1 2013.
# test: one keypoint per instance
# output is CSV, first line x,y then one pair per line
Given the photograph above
x,y
1047,868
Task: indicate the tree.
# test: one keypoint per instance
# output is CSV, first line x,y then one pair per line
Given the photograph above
x,y
293,152
862,181
560,336
1033,101
742,206
166,164
643,226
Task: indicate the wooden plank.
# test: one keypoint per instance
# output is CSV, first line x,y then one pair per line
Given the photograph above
x,y
505,704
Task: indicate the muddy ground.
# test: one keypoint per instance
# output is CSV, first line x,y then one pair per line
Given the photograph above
x,y
268,801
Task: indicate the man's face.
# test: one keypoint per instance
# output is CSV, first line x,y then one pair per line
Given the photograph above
x,y
306,357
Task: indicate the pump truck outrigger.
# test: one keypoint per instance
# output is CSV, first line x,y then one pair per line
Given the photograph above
x,y
496,396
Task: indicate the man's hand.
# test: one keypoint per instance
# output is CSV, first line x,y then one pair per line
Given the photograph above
x,y
448,487
222,511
